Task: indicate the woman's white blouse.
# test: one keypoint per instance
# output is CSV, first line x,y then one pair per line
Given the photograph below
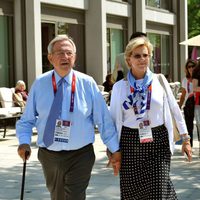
x,y
185,86
158,114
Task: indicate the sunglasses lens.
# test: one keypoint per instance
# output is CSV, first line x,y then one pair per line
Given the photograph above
x,y
139,56
191,66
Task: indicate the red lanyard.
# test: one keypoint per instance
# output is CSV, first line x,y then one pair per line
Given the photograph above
x,y
72,93
73,89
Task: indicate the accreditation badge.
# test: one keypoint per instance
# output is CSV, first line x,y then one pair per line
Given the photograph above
x,y
145,132
62,131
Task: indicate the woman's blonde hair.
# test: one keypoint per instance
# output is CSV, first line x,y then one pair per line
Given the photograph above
x,y
19,83
133,44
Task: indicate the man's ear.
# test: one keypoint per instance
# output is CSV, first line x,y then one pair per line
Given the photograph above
x,y
74,60
50,58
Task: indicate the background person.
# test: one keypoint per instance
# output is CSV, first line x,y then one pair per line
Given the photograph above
x,y
108,84
187,98
196,89
146,150
66,95
20,94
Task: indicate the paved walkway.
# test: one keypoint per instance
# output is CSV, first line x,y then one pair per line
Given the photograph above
x,y
103,185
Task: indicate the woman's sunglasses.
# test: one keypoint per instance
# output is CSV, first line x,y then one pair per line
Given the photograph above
x,y
190,66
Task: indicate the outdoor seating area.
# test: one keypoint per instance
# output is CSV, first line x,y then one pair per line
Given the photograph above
x,y
7,106
8,110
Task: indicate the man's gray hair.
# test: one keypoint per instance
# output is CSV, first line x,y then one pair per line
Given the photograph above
x,y
60,38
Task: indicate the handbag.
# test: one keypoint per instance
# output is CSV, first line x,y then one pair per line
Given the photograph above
x,y
176,133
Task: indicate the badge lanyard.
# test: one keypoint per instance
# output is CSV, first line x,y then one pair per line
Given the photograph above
x,y
73,89
148,99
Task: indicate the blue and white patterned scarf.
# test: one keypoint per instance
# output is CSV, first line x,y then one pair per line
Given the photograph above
x,y
138,98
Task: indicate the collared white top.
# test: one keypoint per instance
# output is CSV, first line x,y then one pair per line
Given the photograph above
x,y
158,114
185,85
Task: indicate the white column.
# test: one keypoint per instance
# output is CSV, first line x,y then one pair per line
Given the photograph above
x,y
96,42
18,41
33,33
183,35
140,16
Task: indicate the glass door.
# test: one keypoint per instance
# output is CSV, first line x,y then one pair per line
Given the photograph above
x,y
115,45
161,54
48,33
76,31
6,51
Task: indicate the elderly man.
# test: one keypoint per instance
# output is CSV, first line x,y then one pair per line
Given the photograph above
x,y
65,105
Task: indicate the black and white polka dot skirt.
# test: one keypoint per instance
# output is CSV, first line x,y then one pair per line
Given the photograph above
x,y
145,168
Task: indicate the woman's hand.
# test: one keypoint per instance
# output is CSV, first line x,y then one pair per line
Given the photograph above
x,y
116,162
186,148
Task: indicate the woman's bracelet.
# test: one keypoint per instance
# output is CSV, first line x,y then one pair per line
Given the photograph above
x,y
185,138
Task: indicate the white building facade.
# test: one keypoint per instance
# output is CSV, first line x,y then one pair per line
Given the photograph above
x,y
100,29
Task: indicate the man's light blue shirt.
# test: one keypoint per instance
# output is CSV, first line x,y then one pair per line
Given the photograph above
x,y
90,109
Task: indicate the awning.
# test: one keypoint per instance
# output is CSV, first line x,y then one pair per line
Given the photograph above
x,y
194,41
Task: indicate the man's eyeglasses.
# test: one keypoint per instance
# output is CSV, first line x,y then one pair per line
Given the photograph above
x,y
63,53
139,56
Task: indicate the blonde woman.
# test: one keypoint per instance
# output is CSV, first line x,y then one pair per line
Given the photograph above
x,y
20,95
140,110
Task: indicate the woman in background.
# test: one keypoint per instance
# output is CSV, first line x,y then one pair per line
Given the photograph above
x,y
20,88
187,98
20,95
108,84
196,89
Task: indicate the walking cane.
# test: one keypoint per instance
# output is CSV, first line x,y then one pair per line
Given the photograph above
x,y
23,176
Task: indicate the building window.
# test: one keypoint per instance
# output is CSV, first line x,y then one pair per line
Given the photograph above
x,y
161,54
163,4
120,0
61,20
6,51
115,45
117,32
49,30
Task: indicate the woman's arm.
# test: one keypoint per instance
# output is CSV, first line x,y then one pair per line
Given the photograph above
x,y
182,98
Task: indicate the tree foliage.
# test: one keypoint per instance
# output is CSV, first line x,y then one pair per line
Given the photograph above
x,y
193,18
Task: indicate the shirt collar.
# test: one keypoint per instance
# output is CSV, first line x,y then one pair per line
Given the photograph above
x,y
67,78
